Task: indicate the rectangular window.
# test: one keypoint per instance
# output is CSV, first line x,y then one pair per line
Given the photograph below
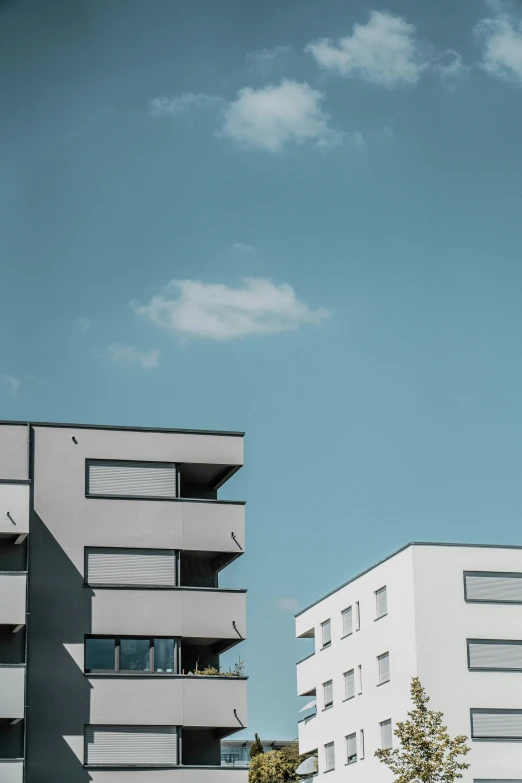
x,y
361,744
125,479
351,748
134,567
329,757
328,694
326,633
490,654
349,684
347,617
381,603
493,587
359,679
496,724
386,734
357,616
127,746
139,655
383,663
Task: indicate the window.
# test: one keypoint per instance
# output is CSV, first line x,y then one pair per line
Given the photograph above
x,y
349,684
361,744
328,694
386,734
383,663
136,567
109,478
381,603
493,587
359,679
357,616
351,748
329,757
347,617
326,632
496,724
131,745
119,654
493,655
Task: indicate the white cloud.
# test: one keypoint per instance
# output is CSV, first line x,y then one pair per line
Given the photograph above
x,y
240,249
261,58
382,51
132,355
83,324
273,116
288,605
450,68
183,105
191,308
13,382
501,39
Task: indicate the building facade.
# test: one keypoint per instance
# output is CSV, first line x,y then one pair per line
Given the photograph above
x,y
236,752
111,543
448,614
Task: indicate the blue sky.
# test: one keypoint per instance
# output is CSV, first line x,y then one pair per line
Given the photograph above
x,y
296,218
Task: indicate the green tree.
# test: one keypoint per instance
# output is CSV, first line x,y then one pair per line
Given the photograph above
x,y
275,766
427,753
256,748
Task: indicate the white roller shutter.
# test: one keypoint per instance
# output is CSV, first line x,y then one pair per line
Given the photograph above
x,y
351,749
128,745
347,621
386,734
155,567
496,724
326,633
495,655
381,601
329,757
328,693
131,479
349,685
384,668
501,588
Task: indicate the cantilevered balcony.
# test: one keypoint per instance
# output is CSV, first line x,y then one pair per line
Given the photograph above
x,y
12,691
14,512
12,600
12,770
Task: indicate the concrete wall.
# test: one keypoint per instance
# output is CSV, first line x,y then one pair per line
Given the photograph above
x,y
12,679
12,598
11,771
14,509
14,452
219,775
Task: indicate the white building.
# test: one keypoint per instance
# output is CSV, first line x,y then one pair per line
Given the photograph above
x,y
450,614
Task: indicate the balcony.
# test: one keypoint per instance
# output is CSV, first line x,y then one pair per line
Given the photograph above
x,y
307,730
14,511
176,700
12,599
175,775
306,676
180,612
12,690
12,770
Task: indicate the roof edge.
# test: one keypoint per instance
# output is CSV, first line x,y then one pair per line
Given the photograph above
x,y
117,427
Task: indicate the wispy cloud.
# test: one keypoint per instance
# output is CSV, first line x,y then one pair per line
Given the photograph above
x,y
129,354
274,116
192,308
264,58
16,383
183,105
13,382
288,605
83,324
450,68
501,39
240,249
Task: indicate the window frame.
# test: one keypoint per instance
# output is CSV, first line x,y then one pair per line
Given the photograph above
x,y
328,643
492,642
383,589
383,723
379,659
330,704
354,758
329,745
343,612
345,676
506,574
133,673
359,680
357,616
137,462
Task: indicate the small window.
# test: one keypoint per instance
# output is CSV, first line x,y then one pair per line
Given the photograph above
x,y
386,735
361,744
359,679
383,662
326,633
328,694
329,757
136,655
357,616
351,748
349,684
347,617
100,655
381,603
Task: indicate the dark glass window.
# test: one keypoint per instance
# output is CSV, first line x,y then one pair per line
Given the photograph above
x,y
135,655
164,655
100,654
130,655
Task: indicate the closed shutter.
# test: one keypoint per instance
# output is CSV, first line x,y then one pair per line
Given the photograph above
x,y
496,724
495,655
384,667
131,479
326,633
347,621
349,685
329,757
328,693
351,749
130,567
381,600
501,588
129,745
386,734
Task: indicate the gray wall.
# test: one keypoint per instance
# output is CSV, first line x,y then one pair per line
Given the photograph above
x,y
11,771
12,598
12,678
14,451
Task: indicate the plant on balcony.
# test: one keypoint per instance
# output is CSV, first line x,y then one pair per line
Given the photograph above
x,y
256,747
426,753
238,670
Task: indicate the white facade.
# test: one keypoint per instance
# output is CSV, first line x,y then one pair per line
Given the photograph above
x,y
430,618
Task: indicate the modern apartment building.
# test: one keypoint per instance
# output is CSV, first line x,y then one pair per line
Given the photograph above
x,y
449,614
111,543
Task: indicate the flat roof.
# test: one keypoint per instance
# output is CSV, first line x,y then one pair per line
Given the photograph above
x,y
230,433
397,552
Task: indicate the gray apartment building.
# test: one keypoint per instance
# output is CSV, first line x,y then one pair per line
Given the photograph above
x,y
111,544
